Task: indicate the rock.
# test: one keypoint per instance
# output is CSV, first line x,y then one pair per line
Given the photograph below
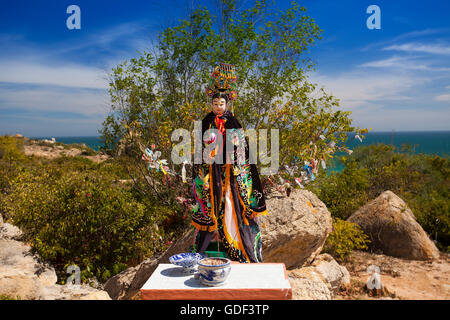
x,y
308,284
73,292
118,286
319,281
331,271
52,141
17,284
23,275
393,229
295,229
52,152
127,284
9,231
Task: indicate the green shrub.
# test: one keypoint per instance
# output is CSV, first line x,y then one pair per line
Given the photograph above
x,y
432,212
11,149
12,158
343,192
74,211
85,150
75,217
345,237
88,152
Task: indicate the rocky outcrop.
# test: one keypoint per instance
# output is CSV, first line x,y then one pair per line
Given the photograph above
x,y
295,229
55,151
319,281
393,229
24,276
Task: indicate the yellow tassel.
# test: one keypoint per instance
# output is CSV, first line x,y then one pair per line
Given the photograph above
x,y
204,228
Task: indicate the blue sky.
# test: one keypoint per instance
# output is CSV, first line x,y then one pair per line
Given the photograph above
x,y
53,80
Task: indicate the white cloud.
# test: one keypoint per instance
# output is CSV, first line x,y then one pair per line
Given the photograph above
x,y
410,63
117,40
85,102
385,100
404,36
358,89
395,62
77,76
61,87
421,47
405,119
442,97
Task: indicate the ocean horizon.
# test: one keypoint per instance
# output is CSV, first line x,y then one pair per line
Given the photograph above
x,y
427,142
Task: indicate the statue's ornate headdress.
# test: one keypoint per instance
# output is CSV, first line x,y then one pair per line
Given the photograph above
x,y
223,81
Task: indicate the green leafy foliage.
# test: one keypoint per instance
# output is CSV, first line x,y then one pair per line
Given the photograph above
x,y
343,192
422,181
345,237
11,158
77,212
11,149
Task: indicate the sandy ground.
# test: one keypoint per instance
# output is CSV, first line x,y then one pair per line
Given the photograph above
x,y
403,279
58,151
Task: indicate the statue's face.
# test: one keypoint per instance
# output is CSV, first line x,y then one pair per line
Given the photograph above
x,y
219,105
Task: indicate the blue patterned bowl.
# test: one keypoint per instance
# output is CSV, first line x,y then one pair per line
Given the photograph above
x,y
187,260
214,271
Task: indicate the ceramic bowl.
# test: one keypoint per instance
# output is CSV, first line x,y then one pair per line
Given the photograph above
x,y
188,260
214,271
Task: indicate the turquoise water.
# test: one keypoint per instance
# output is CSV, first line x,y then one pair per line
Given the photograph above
x,y
428,142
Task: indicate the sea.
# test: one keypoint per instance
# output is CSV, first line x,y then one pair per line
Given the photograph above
x,y
427,142
90,141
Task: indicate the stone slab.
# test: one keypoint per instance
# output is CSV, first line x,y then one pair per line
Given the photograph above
x,y
247,281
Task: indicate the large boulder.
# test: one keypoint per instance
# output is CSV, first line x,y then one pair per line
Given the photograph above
x,y
393,229
295,229
23,275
